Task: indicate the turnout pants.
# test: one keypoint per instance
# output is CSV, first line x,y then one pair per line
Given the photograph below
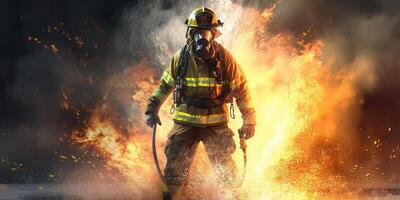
x,y
181,148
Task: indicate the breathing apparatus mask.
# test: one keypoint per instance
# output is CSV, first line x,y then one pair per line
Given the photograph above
x,y
202,39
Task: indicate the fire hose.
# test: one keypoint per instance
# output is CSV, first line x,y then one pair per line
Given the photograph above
x,y
243,146
155,157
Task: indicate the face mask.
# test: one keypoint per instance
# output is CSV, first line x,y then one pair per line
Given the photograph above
x,y
202,43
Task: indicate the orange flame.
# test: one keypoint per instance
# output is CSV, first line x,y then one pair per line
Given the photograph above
x,y
298,98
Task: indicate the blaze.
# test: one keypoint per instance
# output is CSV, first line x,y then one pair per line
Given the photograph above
x,y
299,100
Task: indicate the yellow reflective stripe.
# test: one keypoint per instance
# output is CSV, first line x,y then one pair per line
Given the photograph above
x,y
159,94
203,85
200,79
166,77
200,119
201,82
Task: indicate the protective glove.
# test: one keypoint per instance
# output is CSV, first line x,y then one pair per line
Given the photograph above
x,y
152,112
247,131
152,118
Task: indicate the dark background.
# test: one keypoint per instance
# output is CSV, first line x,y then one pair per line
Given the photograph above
x,y
32,77
90,40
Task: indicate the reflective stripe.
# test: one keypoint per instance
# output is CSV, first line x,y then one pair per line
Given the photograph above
x,y
200,119
159,94
167,78
201,82
201,79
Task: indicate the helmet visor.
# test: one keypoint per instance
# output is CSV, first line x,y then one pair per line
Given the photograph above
x,y
204,19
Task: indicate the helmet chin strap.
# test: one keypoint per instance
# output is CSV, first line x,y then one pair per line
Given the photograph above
x,y
187,32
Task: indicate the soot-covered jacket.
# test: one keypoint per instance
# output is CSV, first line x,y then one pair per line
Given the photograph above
x,y
202,82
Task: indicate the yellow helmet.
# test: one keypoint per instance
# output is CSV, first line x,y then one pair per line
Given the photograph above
x,y
203,18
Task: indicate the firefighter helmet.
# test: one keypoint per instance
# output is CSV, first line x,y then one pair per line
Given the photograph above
x,y
204,18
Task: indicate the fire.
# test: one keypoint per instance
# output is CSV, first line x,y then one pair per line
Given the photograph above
x,y
127,154
299,101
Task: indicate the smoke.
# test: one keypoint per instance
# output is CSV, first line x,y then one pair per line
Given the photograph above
x,y
354,54
59,55
360,38
361,41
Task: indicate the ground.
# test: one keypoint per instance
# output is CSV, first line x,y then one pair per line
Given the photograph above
x,y
114,192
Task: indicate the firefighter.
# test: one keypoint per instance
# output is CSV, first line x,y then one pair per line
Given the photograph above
x,y
203,77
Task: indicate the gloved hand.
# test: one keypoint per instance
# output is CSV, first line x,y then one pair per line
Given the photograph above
x,y
152,118
247,131
152,112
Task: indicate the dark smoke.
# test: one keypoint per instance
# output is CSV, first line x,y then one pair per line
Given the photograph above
x,y
115,36
34,78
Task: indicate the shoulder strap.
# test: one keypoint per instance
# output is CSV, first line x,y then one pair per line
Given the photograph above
x,y
182,63
178,92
